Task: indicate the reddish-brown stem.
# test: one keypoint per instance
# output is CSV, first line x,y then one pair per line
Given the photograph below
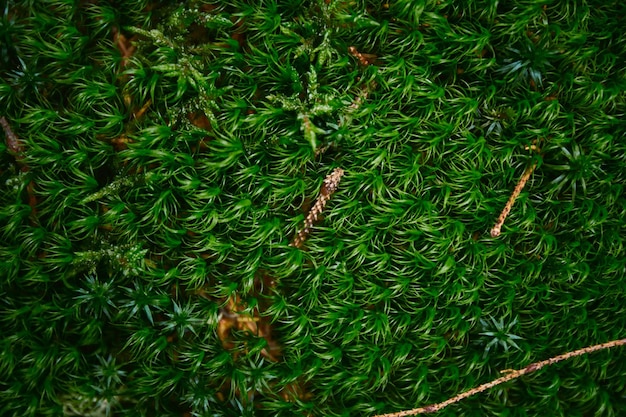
x,y
13,143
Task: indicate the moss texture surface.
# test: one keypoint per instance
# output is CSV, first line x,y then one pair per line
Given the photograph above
x,y
168,153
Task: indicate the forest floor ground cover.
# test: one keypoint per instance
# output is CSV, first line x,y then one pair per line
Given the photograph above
x,y
288,208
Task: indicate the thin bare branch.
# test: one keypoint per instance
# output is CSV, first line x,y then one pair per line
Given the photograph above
x,y
495,232
510,375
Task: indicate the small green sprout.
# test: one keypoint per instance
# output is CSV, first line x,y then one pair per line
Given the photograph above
x,y
500,334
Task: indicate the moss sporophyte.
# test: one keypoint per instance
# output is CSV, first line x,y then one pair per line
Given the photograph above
x,y
293,208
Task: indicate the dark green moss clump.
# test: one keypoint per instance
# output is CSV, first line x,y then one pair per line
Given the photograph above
x,y
168,152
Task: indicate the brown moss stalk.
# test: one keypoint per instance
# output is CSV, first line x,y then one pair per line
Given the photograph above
x,y
495,231
331,182
508,376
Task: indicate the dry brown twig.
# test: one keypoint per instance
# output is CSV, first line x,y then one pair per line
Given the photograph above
x,y
495,231
331,182
509,375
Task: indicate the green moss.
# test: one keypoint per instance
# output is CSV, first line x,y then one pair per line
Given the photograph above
x,y
152,186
